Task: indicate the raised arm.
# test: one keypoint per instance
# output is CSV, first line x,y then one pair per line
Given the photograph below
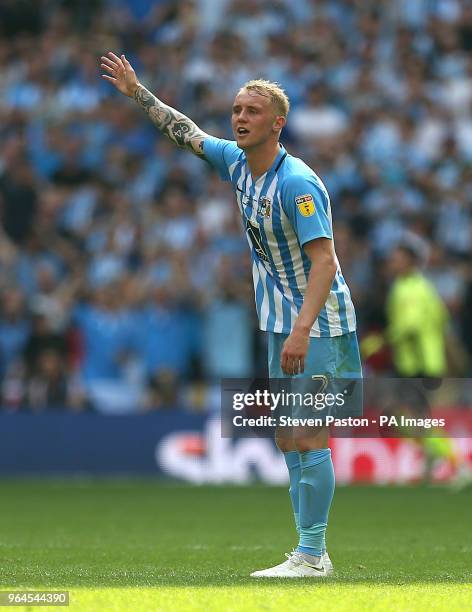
x,y
176,126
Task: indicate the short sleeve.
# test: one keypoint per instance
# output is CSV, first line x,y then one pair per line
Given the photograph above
x,y
221,154
306,204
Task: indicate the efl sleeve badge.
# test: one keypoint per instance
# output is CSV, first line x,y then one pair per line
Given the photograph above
x,y
305,204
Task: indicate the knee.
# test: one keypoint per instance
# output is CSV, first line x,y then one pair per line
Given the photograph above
x,y
285,444
303,445
315,441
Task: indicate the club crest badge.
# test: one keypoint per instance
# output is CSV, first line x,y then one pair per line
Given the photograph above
x,y
264,207
305,204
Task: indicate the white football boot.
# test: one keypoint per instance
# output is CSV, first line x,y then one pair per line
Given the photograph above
x,y
296,566
327,563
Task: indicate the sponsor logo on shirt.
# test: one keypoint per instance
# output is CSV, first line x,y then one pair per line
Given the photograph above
x,y
305,204
254,234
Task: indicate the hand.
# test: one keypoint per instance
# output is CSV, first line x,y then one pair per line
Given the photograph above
x,y
292,357
122,74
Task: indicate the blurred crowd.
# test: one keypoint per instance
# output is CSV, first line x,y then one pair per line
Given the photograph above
x,y
124,272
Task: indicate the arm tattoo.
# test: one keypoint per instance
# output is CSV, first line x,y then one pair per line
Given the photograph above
x,y
176,126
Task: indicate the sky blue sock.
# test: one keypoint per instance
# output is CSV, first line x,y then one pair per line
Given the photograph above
x,y
292,459
316,489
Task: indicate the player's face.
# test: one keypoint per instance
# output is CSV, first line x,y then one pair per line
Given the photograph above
x,y
254,120
400,262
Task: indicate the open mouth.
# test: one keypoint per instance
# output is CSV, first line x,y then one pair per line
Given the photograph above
x,y
242,131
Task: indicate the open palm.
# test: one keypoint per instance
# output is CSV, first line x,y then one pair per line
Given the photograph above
x,y
120,73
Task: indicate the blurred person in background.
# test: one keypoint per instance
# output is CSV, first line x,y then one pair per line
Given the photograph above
x,y
105,333
302,299
419,332
43,336
49,385
416,315
15,328
466,319
18,196
228,326
166,339
441,452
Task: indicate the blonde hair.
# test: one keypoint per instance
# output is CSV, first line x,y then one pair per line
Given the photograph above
x,y
271,90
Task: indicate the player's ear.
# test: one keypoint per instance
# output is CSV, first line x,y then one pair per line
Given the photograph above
x,y
279,123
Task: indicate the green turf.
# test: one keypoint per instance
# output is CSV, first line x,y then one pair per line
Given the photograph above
x,y
124,545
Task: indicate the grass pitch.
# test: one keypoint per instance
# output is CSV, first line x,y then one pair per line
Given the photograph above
x,y
141,545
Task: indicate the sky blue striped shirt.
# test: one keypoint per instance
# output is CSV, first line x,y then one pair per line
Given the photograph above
x,y
285,208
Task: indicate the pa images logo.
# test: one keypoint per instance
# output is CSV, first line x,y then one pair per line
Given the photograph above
x,y
305,204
